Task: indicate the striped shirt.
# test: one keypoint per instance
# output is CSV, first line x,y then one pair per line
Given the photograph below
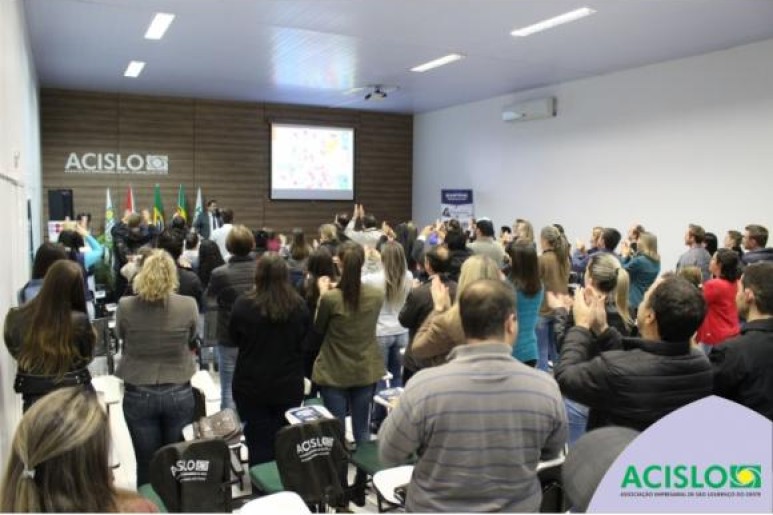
x,y
479,425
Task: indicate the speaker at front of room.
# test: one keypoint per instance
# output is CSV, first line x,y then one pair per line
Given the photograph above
x,y
60,205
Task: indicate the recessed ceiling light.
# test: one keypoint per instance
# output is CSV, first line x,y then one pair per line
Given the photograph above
x,y
450,58
554,22
157,28
134,69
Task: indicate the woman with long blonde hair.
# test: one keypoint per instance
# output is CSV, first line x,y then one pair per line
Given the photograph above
x,y
643,268
59,460
157,327
442,329
394,279
51,336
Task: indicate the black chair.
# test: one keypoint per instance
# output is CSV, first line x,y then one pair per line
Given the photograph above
x,y
192,477
311,460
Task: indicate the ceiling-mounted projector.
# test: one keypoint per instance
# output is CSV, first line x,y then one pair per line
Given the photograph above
x,y
530,110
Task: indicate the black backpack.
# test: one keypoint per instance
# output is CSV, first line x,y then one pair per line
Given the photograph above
x,y
313,461
193,477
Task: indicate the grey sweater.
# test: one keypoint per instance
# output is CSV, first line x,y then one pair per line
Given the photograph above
x,y
155,338
480,425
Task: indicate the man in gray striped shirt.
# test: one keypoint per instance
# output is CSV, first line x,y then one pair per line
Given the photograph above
x,y
479,424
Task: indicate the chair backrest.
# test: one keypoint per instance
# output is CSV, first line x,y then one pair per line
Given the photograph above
x,y
193,476
313,461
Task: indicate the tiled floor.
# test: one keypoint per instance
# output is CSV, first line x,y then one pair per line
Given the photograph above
x,y
123,452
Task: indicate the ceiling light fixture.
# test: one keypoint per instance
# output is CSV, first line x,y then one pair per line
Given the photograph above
x,y
446,59
553,22
159,25
134,69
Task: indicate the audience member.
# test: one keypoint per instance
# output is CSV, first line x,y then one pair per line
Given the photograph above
x,y
208,221
486,244
743,366
634,232
157,327
691,274
349,363
755,238
524,275
319,264
554,267
696,255
634,382
47,254
190,255
581,255
442,329
456,242
643,267
226,283
363,228
393,278
50,337
733,241
523,231
298,254
188,281
209,260
268,325
328,238
710,243
60,460
604,277
721,321
419,304
479,424
81,247
341,222
128,236
220,235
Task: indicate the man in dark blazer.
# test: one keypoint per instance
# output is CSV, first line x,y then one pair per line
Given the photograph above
x,y
208,220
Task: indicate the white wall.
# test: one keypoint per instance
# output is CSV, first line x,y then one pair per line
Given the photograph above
x,y
687,141
19,180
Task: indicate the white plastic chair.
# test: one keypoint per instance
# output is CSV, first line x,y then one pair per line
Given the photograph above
x,y
282,502
385,482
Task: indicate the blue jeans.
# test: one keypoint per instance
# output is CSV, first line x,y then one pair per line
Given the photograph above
x,y
227,359
577,416
357,399
546,343
155,416
390,347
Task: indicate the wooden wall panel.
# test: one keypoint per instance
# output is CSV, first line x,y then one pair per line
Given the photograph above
x,y
222,147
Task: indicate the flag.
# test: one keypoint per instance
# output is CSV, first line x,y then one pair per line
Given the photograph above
x,y
182,209
130,207
109,224
158,209
199,206
109,219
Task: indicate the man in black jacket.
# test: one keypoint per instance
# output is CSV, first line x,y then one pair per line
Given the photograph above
x,y
743,366
419,304
634,382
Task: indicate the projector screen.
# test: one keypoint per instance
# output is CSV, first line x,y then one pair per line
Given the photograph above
x,y
311,162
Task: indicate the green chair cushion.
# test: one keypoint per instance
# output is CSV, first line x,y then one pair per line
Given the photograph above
x,y
266,477
366,459
148,493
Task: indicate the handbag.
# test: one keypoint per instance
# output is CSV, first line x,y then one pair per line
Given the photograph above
x,y
224,424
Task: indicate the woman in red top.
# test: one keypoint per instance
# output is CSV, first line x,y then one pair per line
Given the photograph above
x,y
721,320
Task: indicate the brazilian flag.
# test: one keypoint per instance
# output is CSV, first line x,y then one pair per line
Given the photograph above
x,y
158,209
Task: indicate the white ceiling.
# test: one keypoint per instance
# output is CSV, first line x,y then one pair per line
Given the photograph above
x,y
312,52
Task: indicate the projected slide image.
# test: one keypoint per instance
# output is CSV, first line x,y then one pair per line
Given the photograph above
x,y
312,162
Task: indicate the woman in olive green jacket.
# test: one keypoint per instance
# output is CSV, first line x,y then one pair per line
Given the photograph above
x,y
349,363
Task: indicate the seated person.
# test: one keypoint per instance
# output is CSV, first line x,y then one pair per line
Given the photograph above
x,y
60,460
481,423
634,382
